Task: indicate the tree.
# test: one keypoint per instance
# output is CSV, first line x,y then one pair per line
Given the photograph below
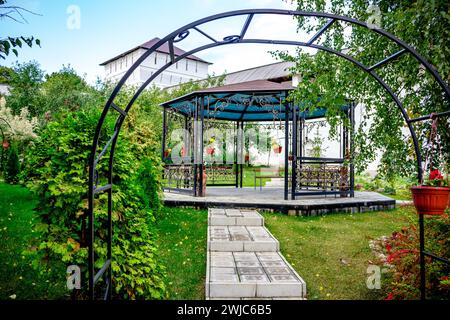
x,y
11,44
65,90
26,81
422,24
12,166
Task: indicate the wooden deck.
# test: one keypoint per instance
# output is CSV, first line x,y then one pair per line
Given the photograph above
x,y
272,199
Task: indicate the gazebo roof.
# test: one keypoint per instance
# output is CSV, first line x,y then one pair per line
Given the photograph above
x,y
258,100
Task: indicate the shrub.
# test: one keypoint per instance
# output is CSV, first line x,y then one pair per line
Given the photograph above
x,y
12,166
402,253
57,170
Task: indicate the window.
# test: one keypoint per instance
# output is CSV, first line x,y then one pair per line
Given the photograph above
x,y
176,65
187,64
196,66
115,66
156,57
121,64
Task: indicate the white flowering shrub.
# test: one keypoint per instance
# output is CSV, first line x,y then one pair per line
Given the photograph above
x,y
19,127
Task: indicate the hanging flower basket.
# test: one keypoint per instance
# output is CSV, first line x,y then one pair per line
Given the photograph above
x,y
290,157
430,200
247,157
277,148
167,153
5,145
211,151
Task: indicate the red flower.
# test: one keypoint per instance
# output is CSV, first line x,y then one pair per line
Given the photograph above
x,y
436,175
388,247
390,296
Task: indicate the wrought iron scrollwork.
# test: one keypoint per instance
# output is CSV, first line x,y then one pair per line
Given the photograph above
x,y
181,36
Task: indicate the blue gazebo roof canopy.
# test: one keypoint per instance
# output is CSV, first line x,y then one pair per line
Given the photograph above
x,y
254,101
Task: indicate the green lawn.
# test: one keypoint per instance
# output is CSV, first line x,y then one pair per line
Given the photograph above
x,y
17,278
314,246
331,253
182,248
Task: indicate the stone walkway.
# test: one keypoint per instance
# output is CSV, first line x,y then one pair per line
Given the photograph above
x,y
243,260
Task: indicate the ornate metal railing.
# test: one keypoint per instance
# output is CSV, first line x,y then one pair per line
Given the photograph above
x,y
220,174
179,177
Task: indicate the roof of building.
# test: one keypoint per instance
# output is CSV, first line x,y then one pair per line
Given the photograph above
x,y
269,71
164,49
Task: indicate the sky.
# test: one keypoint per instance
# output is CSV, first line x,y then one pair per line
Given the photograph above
x,y
106,28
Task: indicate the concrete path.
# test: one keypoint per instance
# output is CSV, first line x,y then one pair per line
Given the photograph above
x,y
243,260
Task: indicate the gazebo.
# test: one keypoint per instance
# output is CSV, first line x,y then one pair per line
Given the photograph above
x,y
230,108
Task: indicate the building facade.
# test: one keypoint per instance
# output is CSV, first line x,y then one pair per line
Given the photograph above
x,y
190,68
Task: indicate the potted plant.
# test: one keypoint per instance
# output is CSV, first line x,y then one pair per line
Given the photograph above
x,y
167,152
276,147
433,196
211,151
291,156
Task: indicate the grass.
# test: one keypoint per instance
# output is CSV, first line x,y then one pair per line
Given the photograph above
x,y
314,246
331,253
182,249
18,280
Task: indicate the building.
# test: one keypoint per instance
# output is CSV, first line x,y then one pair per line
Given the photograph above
x,y
191,68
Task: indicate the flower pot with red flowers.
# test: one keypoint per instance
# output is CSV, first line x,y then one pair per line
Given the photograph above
x,y
277,148
167,153
5,144
247,157
290,157
211,151
432,197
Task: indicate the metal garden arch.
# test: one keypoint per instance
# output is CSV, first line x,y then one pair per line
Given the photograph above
x,y
182,33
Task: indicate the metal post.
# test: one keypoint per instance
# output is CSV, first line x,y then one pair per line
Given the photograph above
x,y
286,151
164,133
195,151
422,257
202,118
236,154
294,150
241,156
352,166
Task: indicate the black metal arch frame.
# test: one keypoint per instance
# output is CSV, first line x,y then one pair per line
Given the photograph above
x,y
182,33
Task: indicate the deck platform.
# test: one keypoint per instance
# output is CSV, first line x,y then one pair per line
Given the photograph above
x,y
272,199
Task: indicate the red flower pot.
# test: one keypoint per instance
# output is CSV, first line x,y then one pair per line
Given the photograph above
x,y
210,151
277,149
430,200
5,144
290,157
166,153
247,158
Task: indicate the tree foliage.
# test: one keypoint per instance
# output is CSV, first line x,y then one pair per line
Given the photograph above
x,y
332,81
13,44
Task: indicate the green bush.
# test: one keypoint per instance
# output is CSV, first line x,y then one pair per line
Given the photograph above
x,y
12,166
57,171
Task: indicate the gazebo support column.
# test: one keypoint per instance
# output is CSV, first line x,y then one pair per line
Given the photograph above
x,y
241,154
201,169
286,152
164,133
352,150
294,150
236,165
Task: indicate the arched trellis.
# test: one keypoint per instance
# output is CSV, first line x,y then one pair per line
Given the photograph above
x,y
182,33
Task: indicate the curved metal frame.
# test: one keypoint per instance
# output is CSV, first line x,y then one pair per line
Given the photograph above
x,y
182,33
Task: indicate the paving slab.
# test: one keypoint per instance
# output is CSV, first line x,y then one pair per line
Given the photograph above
x,y
248,277
241,238
234,217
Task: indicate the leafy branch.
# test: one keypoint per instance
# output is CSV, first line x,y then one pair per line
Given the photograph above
x,y
11,44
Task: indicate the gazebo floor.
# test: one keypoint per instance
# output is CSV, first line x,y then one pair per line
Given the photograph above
x,y
272,199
